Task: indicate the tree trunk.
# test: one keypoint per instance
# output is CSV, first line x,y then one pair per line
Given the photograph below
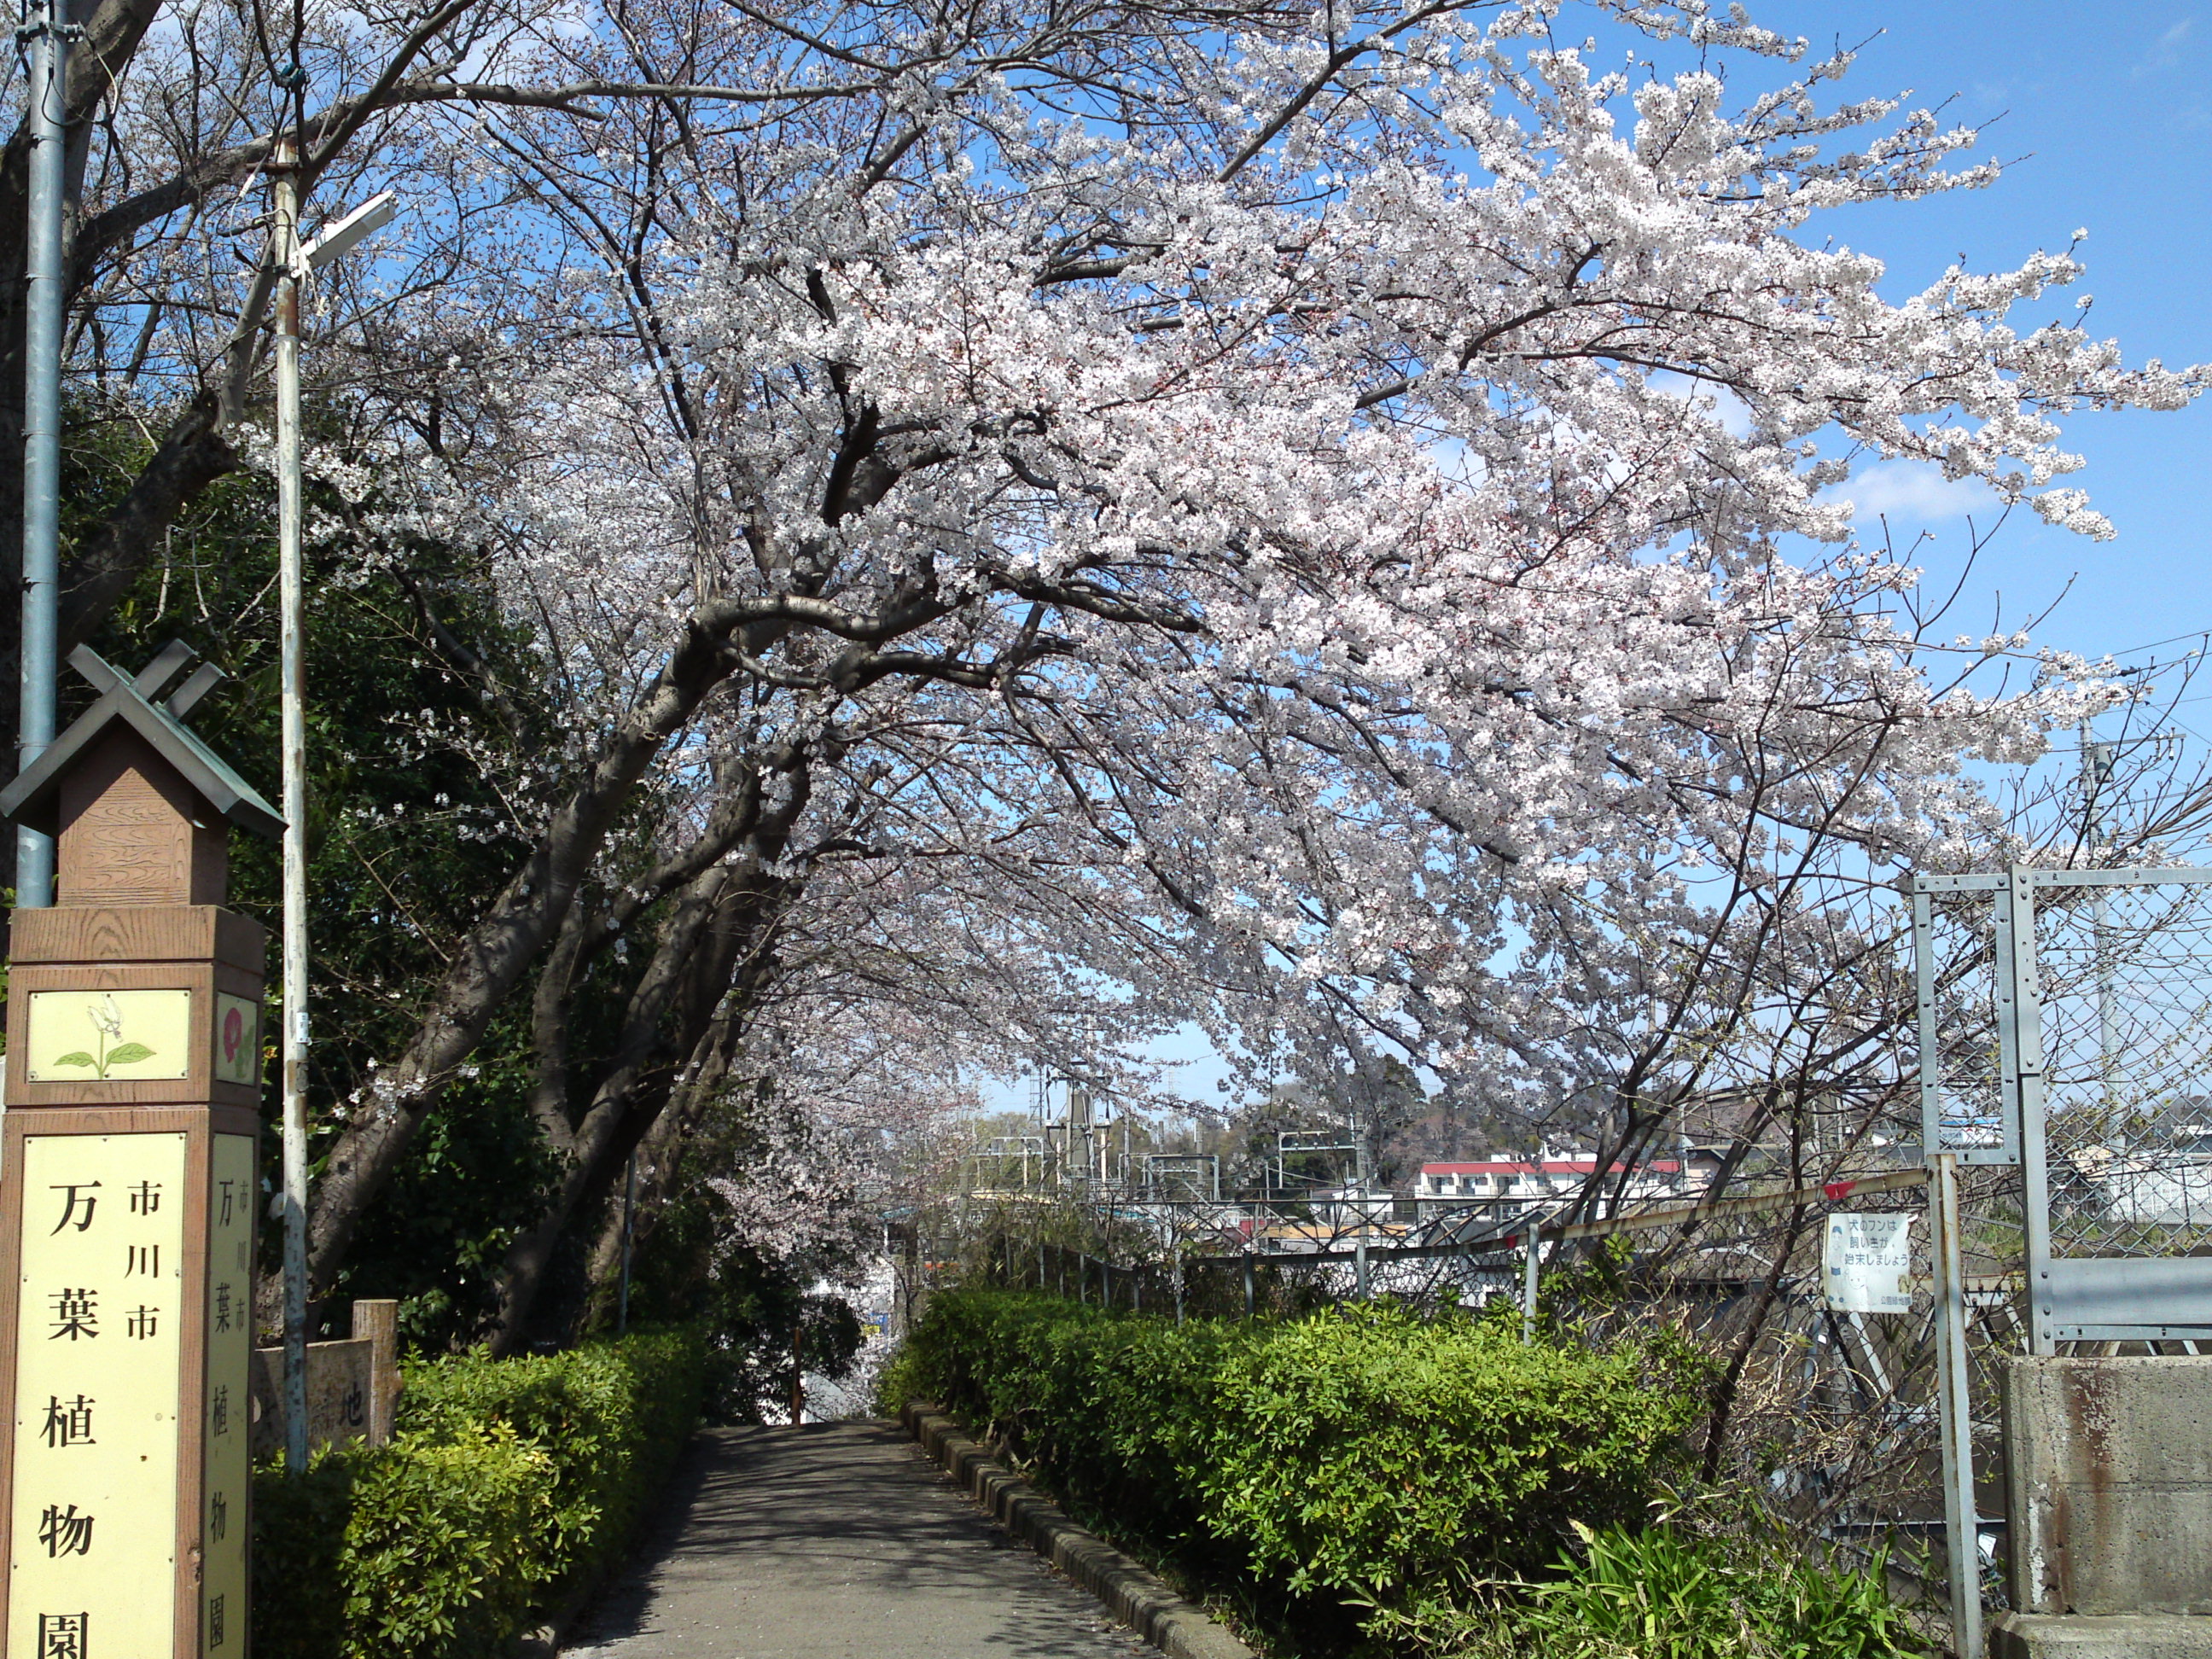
x,y
707,951
492,960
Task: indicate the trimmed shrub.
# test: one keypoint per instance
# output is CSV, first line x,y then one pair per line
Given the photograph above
x,y
1109,1408
509,1486
298,1543
446,1547
1362,1460
610,1417
1364,1480
1373,1454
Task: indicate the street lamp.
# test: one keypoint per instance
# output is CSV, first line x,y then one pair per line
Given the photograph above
x,y
43,294
295,262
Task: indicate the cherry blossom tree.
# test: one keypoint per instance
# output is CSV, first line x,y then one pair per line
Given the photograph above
x,y
1300,517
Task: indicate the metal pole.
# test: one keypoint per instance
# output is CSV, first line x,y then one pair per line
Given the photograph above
x,y
1249,1297
42,427
284,248
2021,1003
2096,773
1961,1530
1931,1051
1528,1285
1359,1259
630,1212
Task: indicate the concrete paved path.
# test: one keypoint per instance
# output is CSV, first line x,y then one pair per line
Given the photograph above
x,y
837,1540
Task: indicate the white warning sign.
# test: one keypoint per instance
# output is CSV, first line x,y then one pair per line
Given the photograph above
x,y
1869,1261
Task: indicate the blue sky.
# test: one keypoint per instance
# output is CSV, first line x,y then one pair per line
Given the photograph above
x,y
2106,116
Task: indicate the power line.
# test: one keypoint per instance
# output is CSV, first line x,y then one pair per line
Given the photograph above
x,y
2191,730
2194,634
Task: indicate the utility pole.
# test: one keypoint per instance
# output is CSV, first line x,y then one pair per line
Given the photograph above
x,y
294,261
292,744
49,34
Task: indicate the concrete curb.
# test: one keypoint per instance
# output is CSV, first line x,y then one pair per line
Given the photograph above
x,y
1176,1627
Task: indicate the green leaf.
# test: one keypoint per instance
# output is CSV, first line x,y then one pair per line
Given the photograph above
x,y
127,1054
78,1058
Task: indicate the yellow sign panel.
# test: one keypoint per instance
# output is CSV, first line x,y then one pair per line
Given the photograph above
x,y
229,1396
98,1380
116,1036
237,1039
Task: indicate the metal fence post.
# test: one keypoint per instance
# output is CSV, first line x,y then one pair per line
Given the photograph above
x,y
1924,997
2021,1007
1528,1286
1960,1528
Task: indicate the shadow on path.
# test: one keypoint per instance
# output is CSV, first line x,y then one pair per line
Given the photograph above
x,y
836,1538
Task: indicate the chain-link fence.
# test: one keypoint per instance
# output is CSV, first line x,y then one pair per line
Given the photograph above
x,y
2125,982
2066,1026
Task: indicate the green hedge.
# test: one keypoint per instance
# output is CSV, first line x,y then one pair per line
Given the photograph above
x,y
1362,1462
509,1484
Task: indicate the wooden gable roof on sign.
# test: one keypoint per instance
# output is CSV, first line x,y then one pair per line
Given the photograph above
x,y
126,705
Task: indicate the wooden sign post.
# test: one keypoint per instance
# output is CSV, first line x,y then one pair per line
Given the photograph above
x,y
128,1184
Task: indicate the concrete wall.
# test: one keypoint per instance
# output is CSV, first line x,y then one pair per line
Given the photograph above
x,y
2110,1468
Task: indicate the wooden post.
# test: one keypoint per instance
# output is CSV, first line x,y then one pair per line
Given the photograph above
x,y
129,1182
379,1322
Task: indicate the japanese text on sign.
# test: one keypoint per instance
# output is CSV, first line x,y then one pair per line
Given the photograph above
x,y
1870,1263
98,1380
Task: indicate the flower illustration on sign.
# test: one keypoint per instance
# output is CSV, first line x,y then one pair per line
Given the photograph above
x,y
107,1020
233,1033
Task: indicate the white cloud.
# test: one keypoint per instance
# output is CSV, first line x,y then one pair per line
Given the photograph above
x,y
1915,491
2166,53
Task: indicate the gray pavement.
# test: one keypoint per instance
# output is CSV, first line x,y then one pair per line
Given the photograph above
x,y
830,1540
